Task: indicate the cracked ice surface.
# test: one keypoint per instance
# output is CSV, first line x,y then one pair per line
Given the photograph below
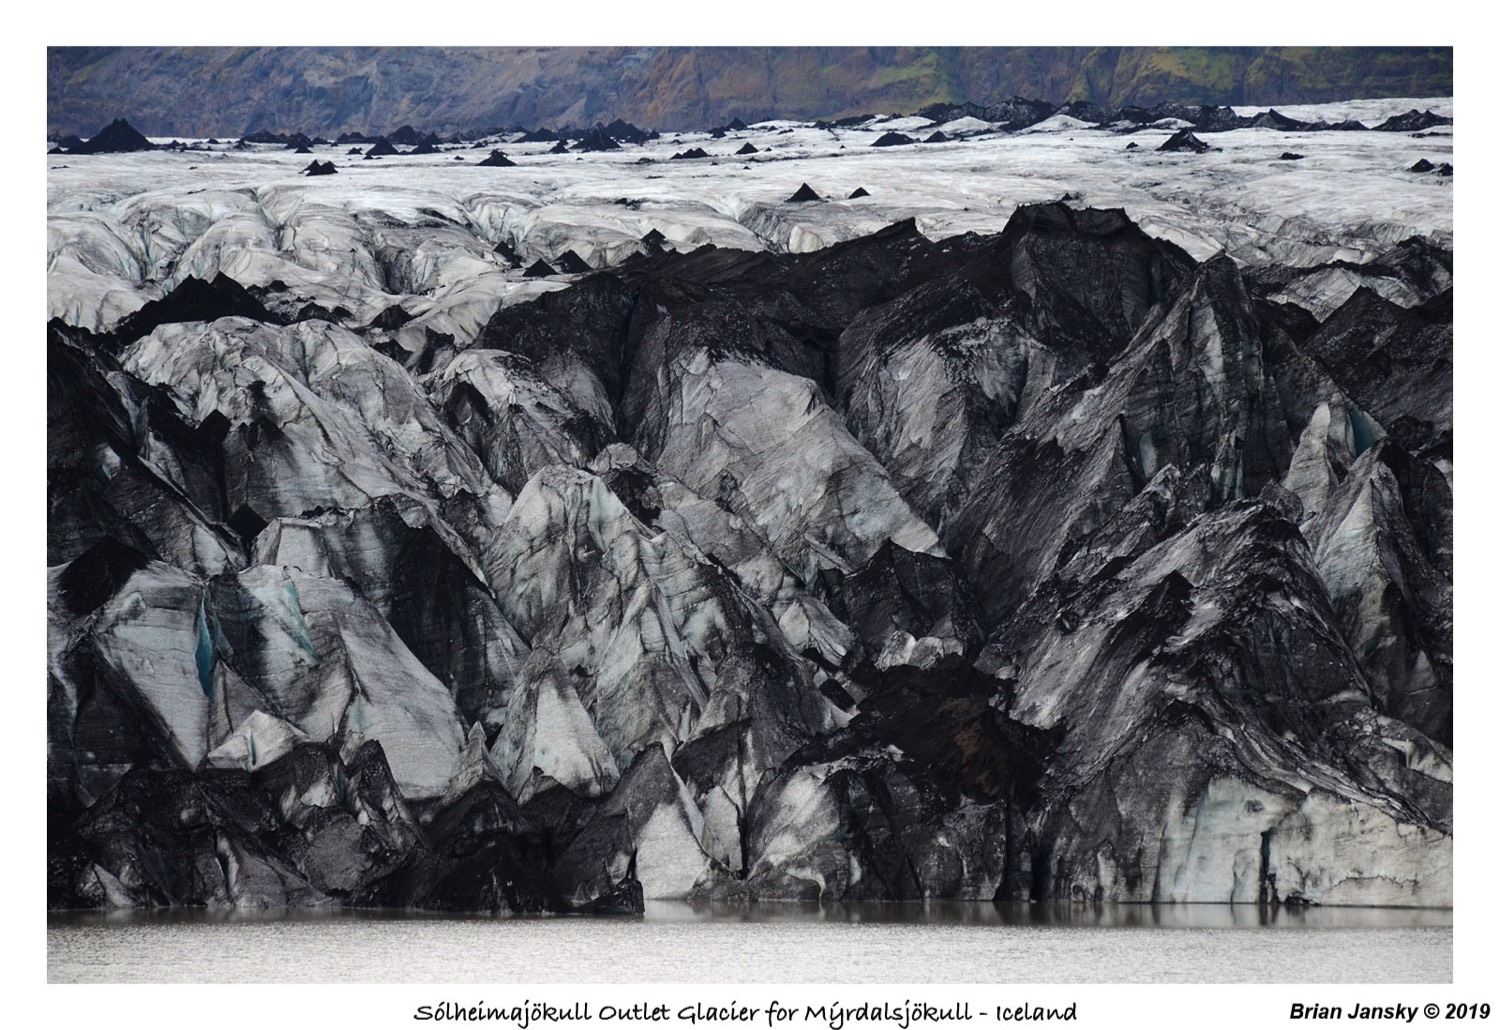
x,y
421,230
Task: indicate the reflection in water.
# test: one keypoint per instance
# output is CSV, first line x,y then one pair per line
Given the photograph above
x,y
934,942
1021,913
916,913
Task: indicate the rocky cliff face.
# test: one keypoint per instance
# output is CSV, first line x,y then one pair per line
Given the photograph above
x,y
1052,564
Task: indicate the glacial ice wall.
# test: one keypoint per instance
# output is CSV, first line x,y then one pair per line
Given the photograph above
x,y
911,546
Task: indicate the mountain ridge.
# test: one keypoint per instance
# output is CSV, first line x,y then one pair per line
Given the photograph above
x,y
208,90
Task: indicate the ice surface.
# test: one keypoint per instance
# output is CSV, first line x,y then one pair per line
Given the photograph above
x,y
422,230
814,493
1058,123
657,619
548,732
259,740
1370,112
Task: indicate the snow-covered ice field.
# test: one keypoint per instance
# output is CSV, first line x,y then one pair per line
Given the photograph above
x,y
422,230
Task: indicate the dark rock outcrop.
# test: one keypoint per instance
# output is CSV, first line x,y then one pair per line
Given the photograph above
x,y
118,137
1412,121
597,140
1274,119
621,131
1087,111
193,300
1013,114
406,136
1183,141
571,264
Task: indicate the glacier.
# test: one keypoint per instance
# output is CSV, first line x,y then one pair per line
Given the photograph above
x,y
1057,520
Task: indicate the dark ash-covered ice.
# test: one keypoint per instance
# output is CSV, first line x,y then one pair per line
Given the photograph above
x,y
1049,564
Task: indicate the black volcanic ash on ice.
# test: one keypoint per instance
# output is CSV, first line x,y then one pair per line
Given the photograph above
x,y
1045,565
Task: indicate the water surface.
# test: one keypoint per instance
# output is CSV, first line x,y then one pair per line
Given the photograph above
x,y
948,942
